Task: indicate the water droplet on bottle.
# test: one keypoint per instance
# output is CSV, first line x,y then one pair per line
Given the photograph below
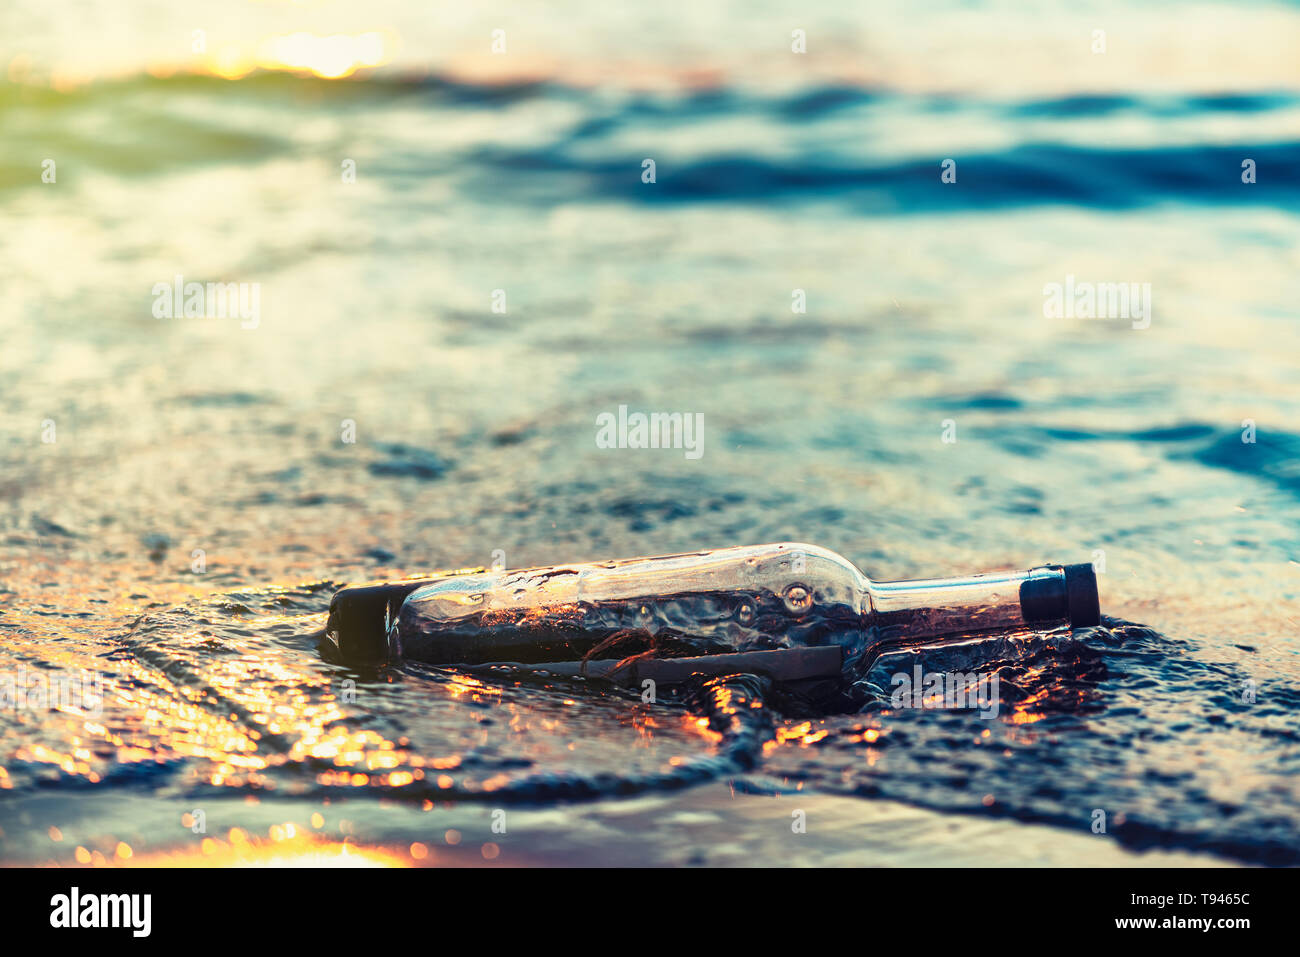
x,y
745,613
798,599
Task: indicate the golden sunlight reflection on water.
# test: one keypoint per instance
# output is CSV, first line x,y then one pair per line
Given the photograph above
x,y
332,57
302,850
285,845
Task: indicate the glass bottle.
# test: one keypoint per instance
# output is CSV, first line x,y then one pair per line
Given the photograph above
x,y
791,610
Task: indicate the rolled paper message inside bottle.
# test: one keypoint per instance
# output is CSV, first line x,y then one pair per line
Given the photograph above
x,y
797,611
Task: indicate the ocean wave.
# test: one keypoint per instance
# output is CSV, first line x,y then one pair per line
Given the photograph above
x,y
870,151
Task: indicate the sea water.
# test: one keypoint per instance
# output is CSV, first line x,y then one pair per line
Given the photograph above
x,y
866,342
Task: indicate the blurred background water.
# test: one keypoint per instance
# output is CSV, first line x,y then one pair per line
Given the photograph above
x,y
168,483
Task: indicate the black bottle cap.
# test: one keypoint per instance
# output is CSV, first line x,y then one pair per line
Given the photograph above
x,y
1072,597
360,616
1084,603
1043,600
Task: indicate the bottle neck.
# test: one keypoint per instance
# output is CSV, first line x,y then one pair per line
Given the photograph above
x,y
918,612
